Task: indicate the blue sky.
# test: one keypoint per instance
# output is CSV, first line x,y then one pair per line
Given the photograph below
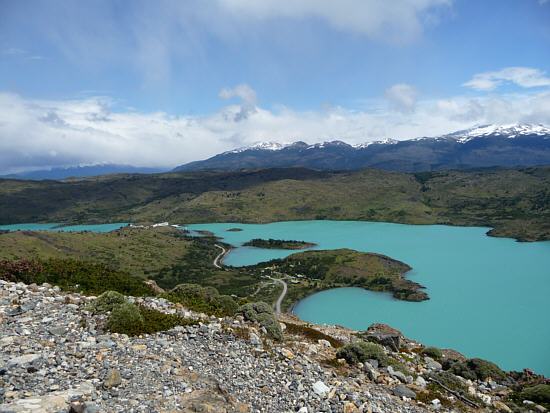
x,y
128,80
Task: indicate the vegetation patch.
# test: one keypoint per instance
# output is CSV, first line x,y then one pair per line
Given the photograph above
x,y
538,394
107,302
278,244
432,352
203,299
262,313
311,334
361,351
130,319
477,369
346,267
126,319
139,251
73,275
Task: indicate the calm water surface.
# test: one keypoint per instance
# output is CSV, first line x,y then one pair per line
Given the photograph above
x,y
66,228
490,297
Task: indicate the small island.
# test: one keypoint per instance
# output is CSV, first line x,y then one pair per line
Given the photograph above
x,y
279,244
234,230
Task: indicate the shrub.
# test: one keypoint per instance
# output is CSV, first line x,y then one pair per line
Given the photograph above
x,y
262,313
19,270
126,319
271,325
477,369
155,321
251,310
432,352
538,394
361,351
107,302
203,299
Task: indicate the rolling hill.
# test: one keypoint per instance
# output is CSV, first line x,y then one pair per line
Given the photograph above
x,y
516,202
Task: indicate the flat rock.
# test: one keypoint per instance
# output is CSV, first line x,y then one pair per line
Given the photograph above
x,y
403,391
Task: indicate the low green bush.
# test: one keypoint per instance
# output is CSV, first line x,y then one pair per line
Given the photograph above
x,y
361,351
432,352
73,275
155,321
133,320
126,319
203,299
538,394
107,302
262,313
477,369
271,325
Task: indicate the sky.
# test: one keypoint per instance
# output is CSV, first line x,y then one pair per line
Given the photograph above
x,y
161,83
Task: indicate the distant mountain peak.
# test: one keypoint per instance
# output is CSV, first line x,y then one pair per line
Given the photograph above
x,y
512,130
262,146
386,141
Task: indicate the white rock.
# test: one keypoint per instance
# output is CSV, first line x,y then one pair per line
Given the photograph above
x,y
23,360
420,382
320,388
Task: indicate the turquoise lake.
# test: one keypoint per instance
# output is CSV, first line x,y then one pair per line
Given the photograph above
x,y
489,297
64,228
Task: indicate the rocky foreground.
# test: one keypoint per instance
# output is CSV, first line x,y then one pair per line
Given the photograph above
x,y
56,356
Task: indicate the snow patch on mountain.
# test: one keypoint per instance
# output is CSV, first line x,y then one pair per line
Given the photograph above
x,y
387,141
262,146
508,131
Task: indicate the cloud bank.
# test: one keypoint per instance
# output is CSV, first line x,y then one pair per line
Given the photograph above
x,y
525,77
45,133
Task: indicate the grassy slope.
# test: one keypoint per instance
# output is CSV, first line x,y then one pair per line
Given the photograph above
x,y
137,251
162,254
515,202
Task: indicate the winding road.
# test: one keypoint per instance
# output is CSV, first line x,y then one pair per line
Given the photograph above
x,y
219,256
277,280
282,296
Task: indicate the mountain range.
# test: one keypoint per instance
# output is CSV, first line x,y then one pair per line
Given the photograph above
x,y
482,146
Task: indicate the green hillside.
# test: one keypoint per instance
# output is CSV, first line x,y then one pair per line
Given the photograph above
x,y
516,202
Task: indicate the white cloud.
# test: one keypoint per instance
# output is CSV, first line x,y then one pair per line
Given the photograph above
x,y
243,91
38,133
397,20
402,97
526,77
248,97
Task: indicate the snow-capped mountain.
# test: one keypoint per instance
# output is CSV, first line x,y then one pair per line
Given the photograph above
x,y
261,146
508,131
482,146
